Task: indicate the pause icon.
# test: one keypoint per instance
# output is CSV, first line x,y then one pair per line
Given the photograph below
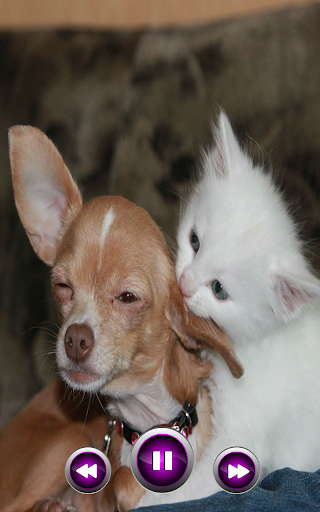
x,y
156,461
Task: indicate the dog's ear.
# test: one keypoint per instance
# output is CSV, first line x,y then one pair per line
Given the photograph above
x,y
195,332
45,193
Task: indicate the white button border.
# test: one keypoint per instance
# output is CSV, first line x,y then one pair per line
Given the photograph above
x,y
78,488
245,451
152,433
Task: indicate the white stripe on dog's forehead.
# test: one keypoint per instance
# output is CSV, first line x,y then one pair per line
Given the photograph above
x,y
107,221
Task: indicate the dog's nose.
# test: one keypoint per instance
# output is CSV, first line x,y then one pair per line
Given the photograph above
x,y
187,283
78,341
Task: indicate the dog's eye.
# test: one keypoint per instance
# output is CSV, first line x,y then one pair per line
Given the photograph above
x,y
127,297
194,241
219,291
62,291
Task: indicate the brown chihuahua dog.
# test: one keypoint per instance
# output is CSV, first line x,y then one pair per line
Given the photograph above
x,y
125,333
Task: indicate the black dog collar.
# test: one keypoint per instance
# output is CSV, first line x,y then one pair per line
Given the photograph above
x,y
183,422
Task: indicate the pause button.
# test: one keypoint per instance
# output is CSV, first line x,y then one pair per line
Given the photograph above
x,y
162,459
156,461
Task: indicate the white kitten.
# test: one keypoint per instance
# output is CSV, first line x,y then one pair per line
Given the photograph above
x,y
240,263
249,252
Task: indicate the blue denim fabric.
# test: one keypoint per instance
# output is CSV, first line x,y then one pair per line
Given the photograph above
x,y
284,490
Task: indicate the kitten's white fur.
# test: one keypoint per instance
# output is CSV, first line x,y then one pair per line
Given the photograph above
x,y
249,242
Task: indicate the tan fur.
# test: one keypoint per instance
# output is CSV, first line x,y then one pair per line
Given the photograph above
x,y
35,445
30,148
133,343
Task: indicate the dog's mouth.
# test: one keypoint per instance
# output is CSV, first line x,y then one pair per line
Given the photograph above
x,y
81,376
86,380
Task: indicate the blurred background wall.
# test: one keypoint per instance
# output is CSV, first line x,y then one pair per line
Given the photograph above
x,y
128,96
128,13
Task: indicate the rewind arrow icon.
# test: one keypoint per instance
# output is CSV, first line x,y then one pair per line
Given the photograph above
x,y
86,471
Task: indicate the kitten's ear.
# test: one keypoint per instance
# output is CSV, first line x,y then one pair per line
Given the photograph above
x,y
227,154
45,193
293,288
195,332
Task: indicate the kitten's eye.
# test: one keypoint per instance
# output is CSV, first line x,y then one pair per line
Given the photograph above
x,y
194,241
127,297
219,290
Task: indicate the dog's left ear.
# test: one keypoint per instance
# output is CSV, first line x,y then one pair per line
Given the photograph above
x,y
45,193
195,332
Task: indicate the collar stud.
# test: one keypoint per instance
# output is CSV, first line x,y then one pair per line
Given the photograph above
x,y
134,437
185,432
119,427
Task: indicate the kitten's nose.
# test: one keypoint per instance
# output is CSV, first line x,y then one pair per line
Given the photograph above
x,y
187,283
78,341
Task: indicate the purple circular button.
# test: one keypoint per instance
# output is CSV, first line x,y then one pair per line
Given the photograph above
x,y
236,470
88,470
162,459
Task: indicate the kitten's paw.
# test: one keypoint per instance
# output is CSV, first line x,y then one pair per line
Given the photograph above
x,y
52,505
